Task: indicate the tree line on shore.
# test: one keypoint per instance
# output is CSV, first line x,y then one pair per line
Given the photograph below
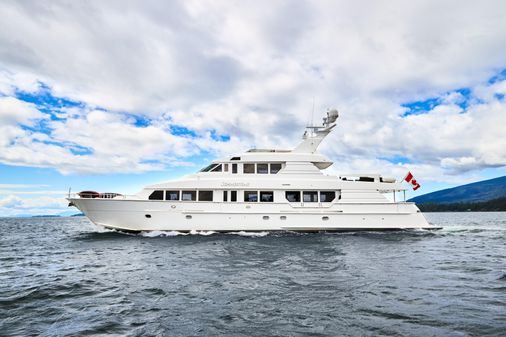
x,y
494,205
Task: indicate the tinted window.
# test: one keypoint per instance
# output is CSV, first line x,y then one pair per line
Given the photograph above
x,y
156,195
225,195
235,158
310,196
249,168
250,196
327,196
293,196
234,168
205,195
233,195
275,168
217,168
171,195
189,195
207,168
225,167
266,196
263,168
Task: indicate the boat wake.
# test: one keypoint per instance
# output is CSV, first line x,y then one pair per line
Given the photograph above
x,y
154,234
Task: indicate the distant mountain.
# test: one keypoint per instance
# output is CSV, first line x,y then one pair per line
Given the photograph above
x,y
481,191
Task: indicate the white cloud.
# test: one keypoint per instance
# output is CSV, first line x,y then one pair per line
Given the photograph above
x,y
13,205
14,111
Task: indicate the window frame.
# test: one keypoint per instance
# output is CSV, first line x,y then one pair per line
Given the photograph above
x,y
310,193
248,165
194,194
150,197
270,168
257,170
217,168
271,193
333,194
178,192
298,193
250,193
200,192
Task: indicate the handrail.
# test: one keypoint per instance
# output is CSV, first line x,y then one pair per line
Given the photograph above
x,y
96,195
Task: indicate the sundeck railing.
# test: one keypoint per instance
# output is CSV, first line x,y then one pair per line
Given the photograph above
x,y
97,195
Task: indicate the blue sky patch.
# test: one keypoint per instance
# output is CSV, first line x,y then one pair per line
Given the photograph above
x,y
219,138
396,159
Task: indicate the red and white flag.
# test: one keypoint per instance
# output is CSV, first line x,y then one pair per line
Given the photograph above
x,y
410,179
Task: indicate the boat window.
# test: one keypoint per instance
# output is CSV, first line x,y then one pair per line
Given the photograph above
x,y
189,195
171,195
233,195
235,158
292,196
156,195
249,168
234,168
225,167
327,196
368,179
310,196
262,168
266,196
275,168
250,196
205,195
217,168
225,195
208,168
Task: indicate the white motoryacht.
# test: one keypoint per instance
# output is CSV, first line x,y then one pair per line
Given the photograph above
x,y
260,190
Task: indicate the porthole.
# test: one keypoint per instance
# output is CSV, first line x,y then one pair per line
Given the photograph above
x,y
325,218
148,216
188,217
282,217
265,217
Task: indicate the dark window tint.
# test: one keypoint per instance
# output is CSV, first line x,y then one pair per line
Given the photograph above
x,y
234,168
266,196
293,196
156,195
207,168
235,158
225,167
233,195
327,196
275,168
205,195
368,179
249,168
217,168
171,195
250,196
263,168
189,195
225,195
310,196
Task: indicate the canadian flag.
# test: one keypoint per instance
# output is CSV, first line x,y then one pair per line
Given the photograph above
x,y
410,179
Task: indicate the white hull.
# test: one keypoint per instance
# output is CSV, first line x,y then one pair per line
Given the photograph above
x,y
130,215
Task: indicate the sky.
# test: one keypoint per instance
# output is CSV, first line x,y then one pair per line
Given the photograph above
x,y
115,95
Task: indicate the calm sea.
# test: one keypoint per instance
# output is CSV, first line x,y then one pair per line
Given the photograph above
x,y
66,277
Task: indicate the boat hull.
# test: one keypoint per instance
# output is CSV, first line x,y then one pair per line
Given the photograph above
x,y
142,215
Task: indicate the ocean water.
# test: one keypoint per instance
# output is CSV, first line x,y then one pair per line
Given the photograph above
x,y
66,277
